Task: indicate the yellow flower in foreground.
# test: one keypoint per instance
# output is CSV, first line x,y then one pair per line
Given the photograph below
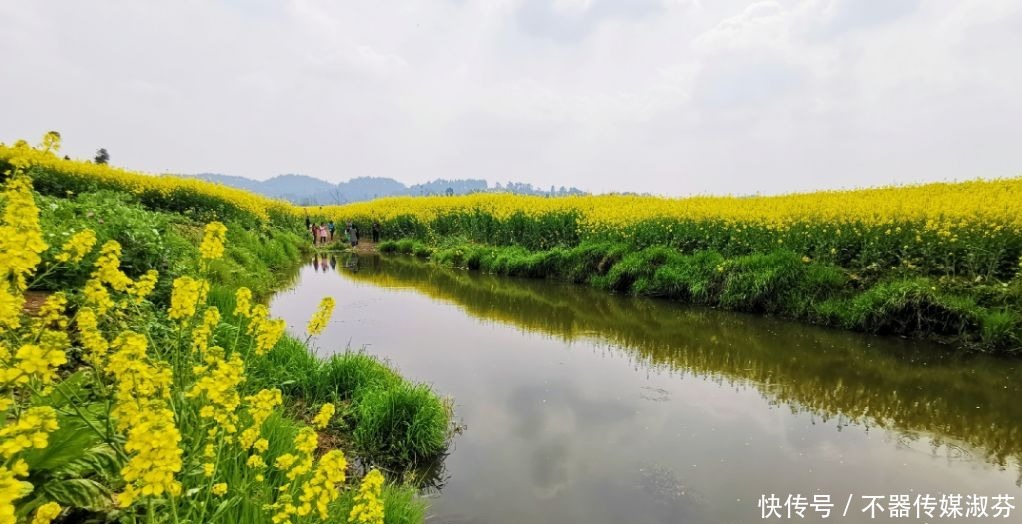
x,y
219,489
108,267
187,293
96,295
144,285
31,430
243,302
212,247
321,489
46,513
12,489
76,247
368,507
322,419
91,338
319,320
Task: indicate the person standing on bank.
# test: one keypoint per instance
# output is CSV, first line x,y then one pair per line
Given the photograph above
x,y
376,231
354,235
322,232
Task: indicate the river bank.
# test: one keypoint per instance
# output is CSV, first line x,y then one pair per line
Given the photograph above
x,y
142,365
976,315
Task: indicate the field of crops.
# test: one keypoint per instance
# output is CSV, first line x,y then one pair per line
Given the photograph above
x,y
943,257
53,175
119,403
971,228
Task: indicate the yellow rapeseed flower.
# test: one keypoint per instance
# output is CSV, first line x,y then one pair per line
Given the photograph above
x,y
187,293
212,247
319,320
368,508
76,247
108,267
321,489
243,302
322,419
46,513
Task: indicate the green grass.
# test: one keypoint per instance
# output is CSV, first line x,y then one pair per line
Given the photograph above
x,y
406,423
967,312
392,421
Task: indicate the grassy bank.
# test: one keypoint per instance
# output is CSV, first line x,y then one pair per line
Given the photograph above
x,y
974,313
142,379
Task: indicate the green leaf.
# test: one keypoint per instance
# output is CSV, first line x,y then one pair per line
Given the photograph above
x,y
80,493
100,460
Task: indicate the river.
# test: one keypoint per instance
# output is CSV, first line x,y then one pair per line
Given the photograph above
x,y
585,407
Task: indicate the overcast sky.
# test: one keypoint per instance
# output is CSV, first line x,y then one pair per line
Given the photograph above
x,y
664,96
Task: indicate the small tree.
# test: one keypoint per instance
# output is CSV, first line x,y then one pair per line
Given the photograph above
x,y
450,191
102,157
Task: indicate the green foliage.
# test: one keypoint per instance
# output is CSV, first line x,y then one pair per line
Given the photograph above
x,y
348,376
777,281
149,239
394,422
406,424
911,307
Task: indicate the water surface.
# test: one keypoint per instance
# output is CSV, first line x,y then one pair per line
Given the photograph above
x,y
587,407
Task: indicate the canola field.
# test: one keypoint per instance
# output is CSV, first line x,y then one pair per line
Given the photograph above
x,y
119,405
940,258
959,229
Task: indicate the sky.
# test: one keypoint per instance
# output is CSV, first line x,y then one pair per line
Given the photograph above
x,y
672,97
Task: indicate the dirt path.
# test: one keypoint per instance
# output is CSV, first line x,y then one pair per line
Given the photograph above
x,y
365,247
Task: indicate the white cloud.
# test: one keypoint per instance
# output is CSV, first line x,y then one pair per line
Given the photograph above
x,y
667,96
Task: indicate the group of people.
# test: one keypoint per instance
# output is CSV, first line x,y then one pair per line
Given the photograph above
x,y
324,232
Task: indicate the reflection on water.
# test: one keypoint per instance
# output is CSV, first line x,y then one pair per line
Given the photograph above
x,y
587,407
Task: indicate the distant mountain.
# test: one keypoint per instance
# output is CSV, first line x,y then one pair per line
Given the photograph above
x,y
310,191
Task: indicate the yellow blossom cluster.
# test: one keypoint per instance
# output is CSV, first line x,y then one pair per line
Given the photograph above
x,y
322,419
368,508
202,333
145,285
97,296
186,295
142,411
243,302
217,382
267,331
34,361
21,242
51,313
321,489
319,319
28,431
212,246
92,339
76,247
46,513
108,267
12,489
